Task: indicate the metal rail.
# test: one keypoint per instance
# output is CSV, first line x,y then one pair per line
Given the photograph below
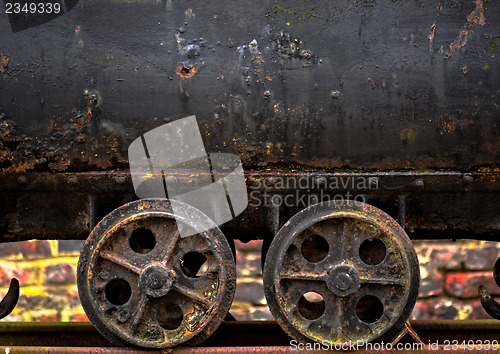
x,y
242,336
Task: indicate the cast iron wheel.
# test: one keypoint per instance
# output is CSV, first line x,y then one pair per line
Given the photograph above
x,y
141,283
341,273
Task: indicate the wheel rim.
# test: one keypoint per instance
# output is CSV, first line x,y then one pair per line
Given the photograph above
x,y
141,283
341,273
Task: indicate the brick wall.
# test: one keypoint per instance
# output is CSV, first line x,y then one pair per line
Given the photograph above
x,y
450,275
451,272
46,271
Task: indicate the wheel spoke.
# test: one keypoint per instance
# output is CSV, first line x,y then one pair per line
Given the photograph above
x,y
383,281
290,275
169,247
336,232
167,235
141,306
331,320
194,296
117,260
344,239
194,243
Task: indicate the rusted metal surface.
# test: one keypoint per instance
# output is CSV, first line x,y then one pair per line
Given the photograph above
x,y
142,283
231,337
4,61
229,334
357,262
9,302
369,85
424,350
448,205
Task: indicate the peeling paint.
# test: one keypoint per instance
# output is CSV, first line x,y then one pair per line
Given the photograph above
x,y
448,124
185,71
475,18
4,61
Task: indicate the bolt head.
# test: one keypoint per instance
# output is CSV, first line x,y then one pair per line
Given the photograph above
x,y
335,94
121,179
468,178
73,179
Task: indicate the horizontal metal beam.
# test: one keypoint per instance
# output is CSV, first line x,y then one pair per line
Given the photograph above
x,y
429,204
232,336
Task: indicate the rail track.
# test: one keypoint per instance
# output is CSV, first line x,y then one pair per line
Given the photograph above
x,y
231,336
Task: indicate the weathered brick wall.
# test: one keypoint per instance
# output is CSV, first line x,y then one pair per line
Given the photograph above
x,y
46,271
451,272
450,275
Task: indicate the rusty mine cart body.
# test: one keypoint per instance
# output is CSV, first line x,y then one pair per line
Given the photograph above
x,y
360,125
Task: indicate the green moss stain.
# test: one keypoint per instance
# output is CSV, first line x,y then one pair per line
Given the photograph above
x,y
290,14
492,51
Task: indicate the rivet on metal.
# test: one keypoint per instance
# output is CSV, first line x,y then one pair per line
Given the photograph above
x,y
72,179
121,179
320,181
419,183
335,94
468,178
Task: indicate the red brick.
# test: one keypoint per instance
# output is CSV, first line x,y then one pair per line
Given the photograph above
x,y
254,245
431,285
81,317
251,292
260,314
50,302
36,249
4,278
10,249
240,315
465,285
446,257
436,309
248,265
481,258
60,273
26,276
52,317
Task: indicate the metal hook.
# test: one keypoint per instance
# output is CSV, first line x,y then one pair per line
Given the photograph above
x,y
489,304
10,300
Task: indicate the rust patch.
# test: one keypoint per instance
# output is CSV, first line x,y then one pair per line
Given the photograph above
x,y
4,61
185,72
433,30
448,123
475,18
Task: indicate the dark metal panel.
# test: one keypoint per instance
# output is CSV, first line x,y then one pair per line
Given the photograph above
x,y
351,84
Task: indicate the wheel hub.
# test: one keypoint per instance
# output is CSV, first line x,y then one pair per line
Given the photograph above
x,y
156,280
343,280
